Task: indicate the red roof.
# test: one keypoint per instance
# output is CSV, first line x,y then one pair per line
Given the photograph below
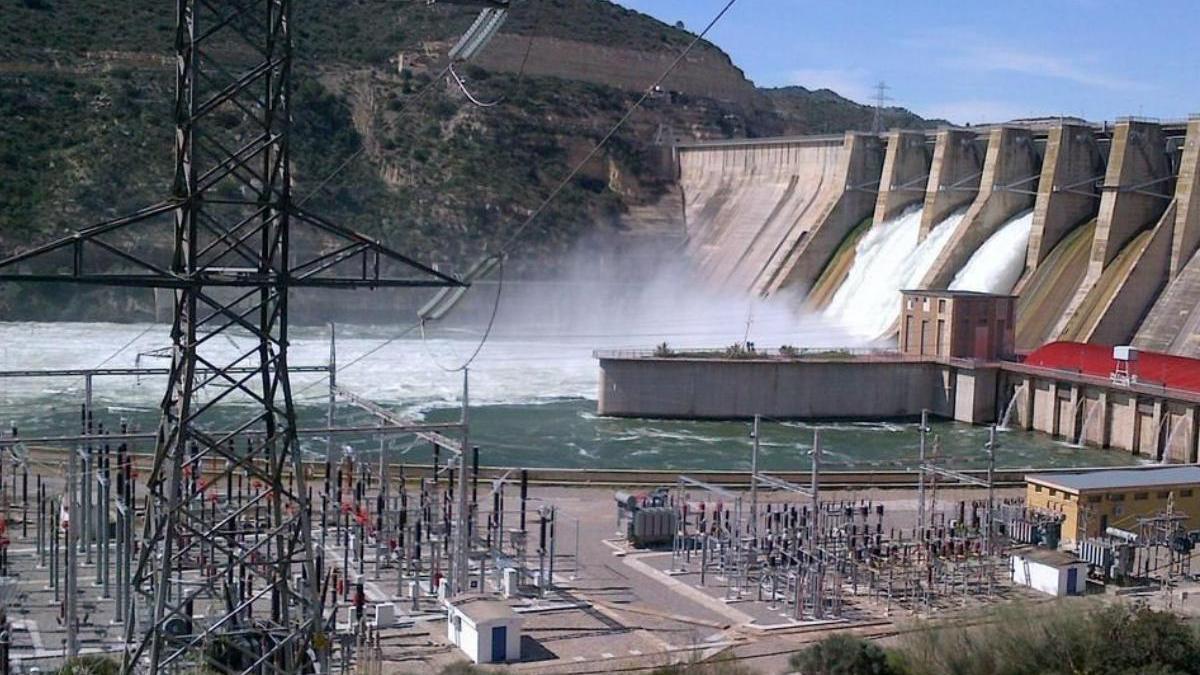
x,y
1153,368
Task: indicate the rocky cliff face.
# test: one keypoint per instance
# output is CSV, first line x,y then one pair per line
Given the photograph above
x,y
85,92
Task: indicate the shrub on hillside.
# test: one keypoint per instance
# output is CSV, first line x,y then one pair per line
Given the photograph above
x,y
1079,638
843,655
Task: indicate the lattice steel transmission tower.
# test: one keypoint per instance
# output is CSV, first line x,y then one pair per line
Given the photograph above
x,y
212,577
881,99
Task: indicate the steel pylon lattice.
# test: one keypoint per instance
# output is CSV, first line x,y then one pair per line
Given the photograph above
x,y
208,567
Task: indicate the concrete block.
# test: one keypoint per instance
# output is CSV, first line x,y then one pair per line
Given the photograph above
x,y
385,615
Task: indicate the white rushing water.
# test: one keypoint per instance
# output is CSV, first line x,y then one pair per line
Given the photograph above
x,y
532,357
996,266
887,260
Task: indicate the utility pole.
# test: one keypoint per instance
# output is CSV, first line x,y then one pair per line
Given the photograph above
x,y
815,535
991,470
72,595
921,473
462,543
754,481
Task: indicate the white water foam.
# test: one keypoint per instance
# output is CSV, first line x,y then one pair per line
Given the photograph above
x,y
887,260
996,266
528,360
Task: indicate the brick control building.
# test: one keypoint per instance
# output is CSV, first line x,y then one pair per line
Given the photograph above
x,y
1092,501
957,324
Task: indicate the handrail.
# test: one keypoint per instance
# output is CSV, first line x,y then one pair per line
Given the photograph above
x,y
770,354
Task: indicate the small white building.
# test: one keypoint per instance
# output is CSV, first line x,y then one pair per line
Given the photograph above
x,y
1055,572
485,628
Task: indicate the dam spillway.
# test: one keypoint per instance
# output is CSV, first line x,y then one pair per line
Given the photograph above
x,y
1098,225
996,266
890,257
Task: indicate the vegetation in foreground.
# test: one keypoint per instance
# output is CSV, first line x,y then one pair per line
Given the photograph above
x,y
1069,638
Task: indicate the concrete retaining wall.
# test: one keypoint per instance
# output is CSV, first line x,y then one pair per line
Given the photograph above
x,y
1142,419
730,389
705,72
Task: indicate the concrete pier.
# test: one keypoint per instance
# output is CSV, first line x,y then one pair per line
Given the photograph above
x,y
906,166
1141,418
1130,255
1174,322
806,251
954,175
1010,173
1136,189
1068,192
1187,200
1064,213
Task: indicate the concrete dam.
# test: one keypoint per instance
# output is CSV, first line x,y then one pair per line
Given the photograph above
x,y
1094,227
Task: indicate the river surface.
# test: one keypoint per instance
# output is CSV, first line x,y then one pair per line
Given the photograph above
x,y
532,401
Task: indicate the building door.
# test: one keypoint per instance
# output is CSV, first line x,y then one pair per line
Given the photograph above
x,y
982,337
499,644
1072,579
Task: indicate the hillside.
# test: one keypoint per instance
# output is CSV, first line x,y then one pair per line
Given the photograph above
x,y
822,111
85,91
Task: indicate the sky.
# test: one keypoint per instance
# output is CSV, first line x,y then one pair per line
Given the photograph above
x,y
968,61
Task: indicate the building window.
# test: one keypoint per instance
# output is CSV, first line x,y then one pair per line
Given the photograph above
x,y
909,303
1116,498
1037,488
1094,499
1186,493
942,305
1139,496
1163,494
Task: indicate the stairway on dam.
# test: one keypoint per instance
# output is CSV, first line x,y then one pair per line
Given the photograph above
x,y
1109,254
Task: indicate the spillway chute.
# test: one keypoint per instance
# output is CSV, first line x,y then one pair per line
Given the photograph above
x,y
889,258
996,266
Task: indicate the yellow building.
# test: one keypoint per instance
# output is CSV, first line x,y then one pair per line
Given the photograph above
x,y
1093,501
